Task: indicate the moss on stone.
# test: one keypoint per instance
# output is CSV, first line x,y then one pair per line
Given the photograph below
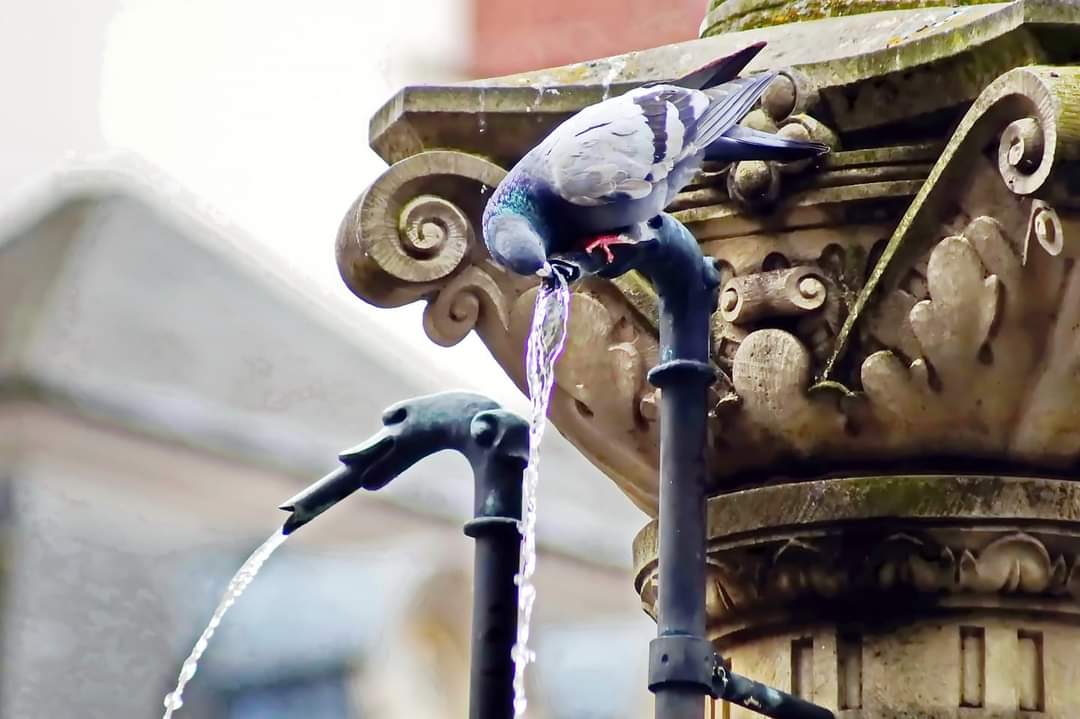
x,y
737,15
913,496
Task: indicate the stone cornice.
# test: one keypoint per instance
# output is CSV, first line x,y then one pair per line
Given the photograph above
x,y
881,68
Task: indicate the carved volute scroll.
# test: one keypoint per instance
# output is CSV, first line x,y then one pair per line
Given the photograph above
x,y
1032,111
412,227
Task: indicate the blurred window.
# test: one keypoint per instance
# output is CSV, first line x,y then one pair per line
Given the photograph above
x,y
316,696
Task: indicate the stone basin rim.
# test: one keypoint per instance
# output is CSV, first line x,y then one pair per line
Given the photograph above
x,y
851,500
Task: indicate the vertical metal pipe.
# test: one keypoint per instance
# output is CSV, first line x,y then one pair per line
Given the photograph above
x,y
494,619
686,286
497,470
681,602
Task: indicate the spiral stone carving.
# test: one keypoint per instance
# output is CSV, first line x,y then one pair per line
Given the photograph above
x,y
1045,226
413,226
469,299
1030,111
1021,145
1028,145
432,228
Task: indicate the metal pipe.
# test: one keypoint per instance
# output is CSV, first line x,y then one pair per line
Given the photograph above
x,y
494,619
496,444
685,282
686,285
681,604
763,699
683,667
495,528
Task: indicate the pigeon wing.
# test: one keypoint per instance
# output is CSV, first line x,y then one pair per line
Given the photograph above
x,y
622,148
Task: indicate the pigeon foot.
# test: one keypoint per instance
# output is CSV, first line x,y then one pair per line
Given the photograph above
x,y
605,242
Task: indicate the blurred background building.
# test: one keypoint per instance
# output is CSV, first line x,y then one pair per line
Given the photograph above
x,y
178,356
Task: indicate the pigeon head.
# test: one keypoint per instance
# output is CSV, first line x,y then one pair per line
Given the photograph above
x,y
514,231
515,243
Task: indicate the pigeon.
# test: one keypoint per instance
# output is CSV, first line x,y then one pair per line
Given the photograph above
x,y
620,162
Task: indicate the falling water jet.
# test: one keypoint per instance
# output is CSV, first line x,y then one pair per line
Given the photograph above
x,y
546,339
240,581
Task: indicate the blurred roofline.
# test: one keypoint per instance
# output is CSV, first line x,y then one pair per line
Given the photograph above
x,y
127,174
215,429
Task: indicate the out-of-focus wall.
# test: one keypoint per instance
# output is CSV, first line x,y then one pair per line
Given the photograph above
x,y
515,35
50,73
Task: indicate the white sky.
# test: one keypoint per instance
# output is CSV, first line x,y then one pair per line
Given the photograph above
x,y
258,107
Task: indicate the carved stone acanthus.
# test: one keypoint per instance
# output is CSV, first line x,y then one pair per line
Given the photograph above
x,y
848,547
800,570
906,302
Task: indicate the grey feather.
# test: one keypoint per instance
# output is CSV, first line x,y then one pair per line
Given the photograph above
x,y
623,149
743,143
623,160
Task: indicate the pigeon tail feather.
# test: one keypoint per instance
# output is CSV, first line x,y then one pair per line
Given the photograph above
x,y
718,71
728,109
743,143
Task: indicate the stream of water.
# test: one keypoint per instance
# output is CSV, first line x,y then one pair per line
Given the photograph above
x,y
240,581
545,344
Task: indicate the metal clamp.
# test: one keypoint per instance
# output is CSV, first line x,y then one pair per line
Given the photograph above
x,y
663,374
683,660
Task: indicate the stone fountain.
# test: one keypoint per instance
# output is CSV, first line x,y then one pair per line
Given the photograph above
x,y
894,529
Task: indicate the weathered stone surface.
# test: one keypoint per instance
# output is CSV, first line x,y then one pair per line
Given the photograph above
x,y
876,69
934,358
928,596
733,15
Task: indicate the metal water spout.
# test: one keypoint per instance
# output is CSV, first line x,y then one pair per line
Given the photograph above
x,y
496,444
683,666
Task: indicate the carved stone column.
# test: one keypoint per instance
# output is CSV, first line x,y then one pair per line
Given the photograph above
x,y
921,596
896,428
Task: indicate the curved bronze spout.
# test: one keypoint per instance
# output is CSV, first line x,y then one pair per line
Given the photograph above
x,y
496,443
412,430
